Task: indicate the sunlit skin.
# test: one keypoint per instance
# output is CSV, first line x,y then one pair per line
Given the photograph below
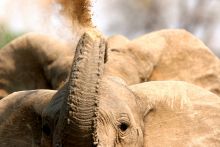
x,y
96,106
119,124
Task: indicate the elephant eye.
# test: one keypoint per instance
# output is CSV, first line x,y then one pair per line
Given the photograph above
x,y
123,126
46,129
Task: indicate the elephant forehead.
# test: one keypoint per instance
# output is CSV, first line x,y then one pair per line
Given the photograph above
x,y
117,98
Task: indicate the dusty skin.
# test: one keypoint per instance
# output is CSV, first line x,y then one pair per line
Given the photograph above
x,y
36,61
163,55
102,97
93,109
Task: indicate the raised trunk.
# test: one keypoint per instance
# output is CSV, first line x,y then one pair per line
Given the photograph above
x,y
77,123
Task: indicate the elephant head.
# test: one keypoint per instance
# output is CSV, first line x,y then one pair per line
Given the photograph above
x,y
82,113
93,109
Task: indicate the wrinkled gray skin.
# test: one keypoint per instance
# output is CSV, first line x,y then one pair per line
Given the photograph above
x,y
116,111
152,57
77,115
92,109
121,123
113,120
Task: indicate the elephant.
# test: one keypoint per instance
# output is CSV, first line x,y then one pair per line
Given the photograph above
x,y
104,103
170,54
34,61
95,109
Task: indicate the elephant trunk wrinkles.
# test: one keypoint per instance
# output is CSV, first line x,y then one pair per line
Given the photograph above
x,y
78,117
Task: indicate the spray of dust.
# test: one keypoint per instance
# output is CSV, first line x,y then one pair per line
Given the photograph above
x,y
78,11
65,19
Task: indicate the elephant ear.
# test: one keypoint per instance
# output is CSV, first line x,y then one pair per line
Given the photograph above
x,y
178,114
44,59
20,118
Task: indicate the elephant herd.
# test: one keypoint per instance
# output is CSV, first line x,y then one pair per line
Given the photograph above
x,y
161,89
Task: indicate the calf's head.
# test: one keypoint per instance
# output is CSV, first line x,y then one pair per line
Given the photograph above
x,y
119,121
92,109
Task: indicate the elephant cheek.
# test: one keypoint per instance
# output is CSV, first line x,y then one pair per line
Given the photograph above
x,y
136,138
106,135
